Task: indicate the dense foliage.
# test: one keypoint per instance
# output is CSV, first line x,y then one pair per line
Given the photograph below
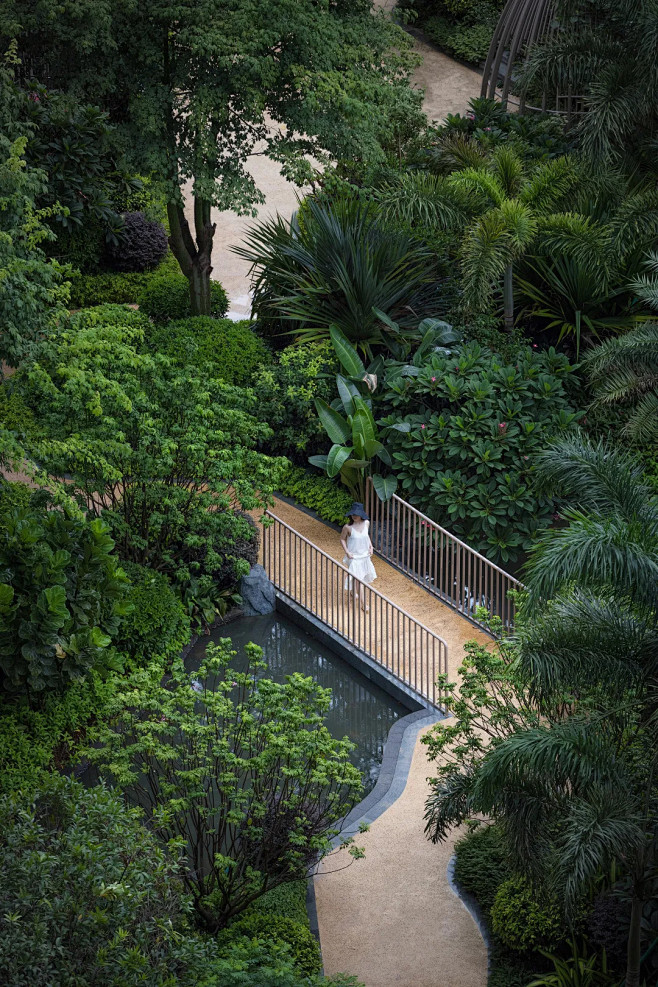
x,y
287,390
157,622
241,839
477,424
229,350
164,455
62,595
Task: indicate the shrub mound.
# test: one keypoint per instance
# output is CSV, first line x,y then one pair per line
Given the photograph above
x,y
158,624
273,929
167,298
141,246
522,922
481,864
231,348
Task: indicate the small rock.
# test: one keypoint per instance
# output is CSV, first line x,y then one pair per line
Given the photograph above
x,y
257,592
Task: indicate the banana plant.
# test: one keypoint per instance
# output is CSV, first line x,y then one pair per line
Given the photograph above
x,y
351,426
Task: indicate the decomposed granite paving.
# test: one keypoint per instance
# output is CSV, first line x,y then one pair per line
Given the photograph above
x,y
393,918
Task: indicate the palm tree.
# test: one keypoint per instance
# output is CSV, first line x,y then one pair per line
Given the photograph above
x,y
578,792
625,370
501,210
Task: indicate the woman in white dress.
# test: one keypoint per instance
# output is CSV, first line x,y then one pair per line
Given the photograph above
x,y
355,539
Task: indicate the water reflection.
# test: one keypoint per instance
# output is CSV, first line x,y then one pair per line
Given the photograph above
x,y
359,709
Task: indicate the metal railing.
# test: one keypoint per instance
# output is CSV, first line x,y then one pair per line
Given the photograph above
x,y
446,566
360,614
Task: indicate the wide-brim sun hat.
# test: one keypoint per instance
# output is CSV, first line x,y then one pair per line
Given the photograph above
x,y
358,510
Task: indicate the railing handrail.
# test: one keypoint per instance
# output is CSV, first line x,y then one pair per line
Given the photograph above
x,y
371,588
449,534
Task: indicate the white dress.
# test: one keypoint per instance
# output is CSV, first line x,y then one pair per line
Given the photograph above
x,y
361,567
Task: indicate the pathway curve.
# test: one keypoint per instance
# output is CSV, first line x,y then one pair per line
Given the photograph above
x,y
392,919
448,87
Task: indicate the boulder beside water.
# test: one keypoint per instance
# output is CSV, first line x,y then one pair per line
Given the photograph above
x,y
257,592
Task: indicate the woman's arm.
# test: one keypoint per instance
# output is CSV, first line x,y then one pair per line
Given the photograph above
x,y
344,535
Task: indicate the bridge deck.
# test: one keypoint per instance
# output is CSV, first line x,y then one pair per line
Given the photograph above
x,y
454,629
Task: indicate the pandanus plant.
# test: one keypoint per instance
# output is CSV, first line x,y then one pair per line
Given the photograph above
x,y
349,422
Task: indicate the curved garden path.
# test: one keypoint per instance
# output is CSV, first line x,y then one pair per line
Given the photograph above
x,y
448,87
392,919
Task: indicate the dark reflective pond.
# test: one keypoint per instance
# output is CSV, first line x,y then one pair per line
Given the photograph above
x,y
359,710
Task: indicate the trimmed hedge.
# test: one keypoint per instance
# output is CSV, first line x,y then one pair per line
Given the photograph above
x,y
286,901
231,348
158,625
275,929
95,289
330,501
167,298
481,864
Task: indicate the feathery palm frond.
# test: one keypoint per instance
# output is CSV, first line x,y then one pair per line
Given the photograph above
x,y
626,370
548,185
584,638
421,198
596,477
508,168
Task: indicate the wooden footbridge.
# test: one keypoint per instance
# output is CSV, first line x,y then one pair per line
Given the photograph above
x,y
415,619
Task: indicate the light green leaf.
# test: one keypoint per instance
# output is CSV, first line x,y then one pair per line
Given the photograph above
x,y
349,358
336,427
385,486
338,455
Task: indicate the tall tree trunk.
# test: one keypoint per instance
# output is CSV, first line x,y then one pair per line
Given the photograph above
x,y
193,253
508,298
634,949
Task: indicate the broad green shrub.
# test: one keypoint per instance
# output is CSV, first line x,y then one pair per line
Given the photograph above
x,y
88,890
481,863
109,314
167,298
232,349
62,595
286,901
523,920
158,623
141,245
477,422
326,497
33,741
286,398
14,413
270,928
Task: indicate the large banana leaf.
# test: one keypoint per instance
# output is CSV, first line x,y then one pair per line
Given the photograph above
x,y
348,391
349,358
338,456
385,486
336,426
